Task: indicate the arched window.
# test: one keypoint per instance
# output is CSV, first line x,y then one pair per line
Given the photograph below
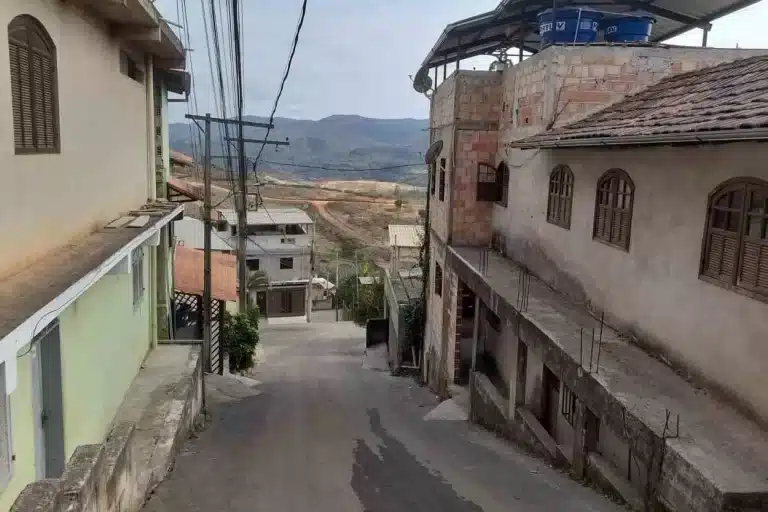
x,y
736,241
33,87
613,208
560,197
502,179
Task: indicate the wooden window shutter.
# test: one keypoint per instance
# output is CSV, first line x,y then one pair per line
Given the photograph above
x,y
33,87
614,204
735,249
560,200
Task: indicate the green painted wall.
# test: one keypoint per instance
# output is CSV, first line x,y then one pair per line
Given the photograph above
x,y
22,434
104,340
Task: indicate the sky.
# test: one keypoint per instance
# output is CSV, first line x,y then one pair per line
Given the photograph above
x,y
355,56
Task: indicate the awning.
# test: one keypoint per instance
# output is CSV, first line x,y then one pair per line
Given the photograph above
x,y
188,273
513,24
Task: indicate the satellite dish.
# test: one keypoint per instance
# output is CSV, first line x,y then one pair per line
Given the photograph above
x,y
433,152
422,82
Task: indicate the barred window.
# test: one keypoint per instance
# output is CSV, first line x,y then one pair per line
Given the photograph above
x,y
568,405
34,89
487,187
736,241
560,197
438,280
613,209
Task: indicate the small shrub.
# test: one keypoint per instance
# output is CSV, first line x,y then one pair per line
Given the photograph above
x,y
240,335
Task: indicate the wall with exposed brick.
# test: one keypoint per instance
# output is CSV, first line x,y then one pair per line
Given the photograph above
x,y
438,210
433,346
653,290
564,83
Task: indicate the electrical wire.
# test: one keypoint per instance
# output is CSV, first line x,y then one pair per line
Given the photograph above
x,y
343,169
286,74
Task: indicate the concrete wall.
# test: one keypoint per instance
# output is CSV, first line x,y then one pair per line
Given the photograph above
x,y
653,290
102,167
270,263
104,339
434,343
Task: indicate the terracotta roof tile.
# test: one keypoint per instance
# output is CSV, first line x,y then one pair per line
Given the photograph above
x,y
730,96
188,273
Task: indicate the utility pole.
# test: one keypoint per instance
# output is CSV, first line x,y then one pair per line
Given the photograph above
x,y
337,295
310,284
207,252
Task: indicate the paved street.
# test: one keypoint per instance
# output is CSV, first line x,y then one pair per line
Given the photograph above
x,y
324,432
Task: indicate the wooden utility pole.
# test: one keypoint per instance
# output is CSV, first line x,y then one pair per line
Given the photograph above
x,y
207,247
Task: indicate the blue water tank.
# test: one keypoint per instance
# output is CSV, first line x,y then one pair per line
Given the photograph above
x,y
571,25
627,28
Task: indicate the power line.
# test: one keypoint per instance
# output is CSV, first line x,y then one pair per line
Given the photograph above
x,y
287,72
342,169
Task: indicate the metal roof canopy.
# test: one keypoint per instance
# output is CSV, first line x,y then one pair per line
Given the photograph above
x,y
513,24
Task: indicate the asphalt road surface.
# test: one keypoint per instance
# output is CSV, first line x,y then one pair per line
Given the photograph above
x,y
326,431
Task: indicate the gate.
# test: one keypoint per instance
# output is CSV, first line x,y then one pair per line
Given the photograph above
x,y
216,364
188,325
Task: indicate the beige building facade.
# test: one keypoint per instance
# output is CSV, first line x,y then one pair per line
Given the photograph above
x,y
577,326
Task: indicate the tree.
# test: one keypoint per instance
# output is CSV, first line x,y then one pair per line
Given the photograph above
x,y
240,335
365,300
258,279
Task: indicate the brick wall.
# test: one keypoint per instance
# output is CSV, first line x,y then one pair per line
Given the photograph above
x,y
564,83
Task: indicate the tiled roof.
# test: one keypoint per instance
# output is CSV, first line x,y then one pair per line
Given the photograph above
x,y
188,273
186,189
268,217
405,235
179,158
731,97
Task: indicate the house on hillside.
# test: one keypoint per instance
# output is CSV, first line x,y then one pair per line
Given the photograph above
x,y
586,196
86,270
405,243
403,282
279,245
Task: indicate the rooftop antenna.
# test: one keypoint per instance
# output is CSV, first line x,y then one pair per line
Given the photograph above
x,y
422,83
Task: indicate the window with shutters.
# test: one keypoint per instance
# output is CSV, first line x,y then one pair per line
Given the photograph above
x,y
487,187
613,209
736,241
560,197
33,87
502,179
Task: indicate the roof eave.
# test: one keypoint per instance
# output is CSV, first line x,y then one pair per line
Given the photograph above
x,y
745,135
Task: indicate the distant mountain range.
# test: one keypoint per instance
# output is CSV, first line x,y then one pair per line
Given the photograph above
x,y
345,142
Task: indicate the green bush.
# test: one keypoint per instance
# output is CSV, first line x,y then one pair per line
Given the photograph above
x,y
240,334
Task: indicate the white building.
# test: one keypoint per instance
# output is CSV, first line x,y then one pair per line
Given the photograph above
x,y
280,245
